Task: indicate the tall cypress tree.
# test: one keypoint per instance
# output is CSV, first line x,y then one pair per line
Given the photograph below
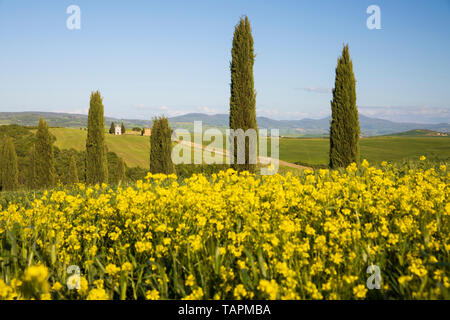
x,y
73,171
161,147
1,158
344,129
155,147
9,173
122,128
31,177
96,159
112,129
243,96
45,163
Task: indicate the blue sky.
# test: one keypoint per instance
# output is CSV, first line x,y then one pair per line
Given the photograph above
x,y
172,57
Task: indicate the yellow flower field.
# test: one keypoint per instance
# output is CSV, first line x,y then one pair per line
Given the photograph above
x,y
234,236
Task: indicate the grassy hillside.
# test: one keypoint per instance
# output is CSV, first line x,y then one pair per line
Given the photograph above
x,y
135,150
66,120
375,150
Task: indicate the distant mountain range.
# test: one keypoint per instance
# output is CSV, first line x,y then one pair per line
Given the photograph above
x,y
304,127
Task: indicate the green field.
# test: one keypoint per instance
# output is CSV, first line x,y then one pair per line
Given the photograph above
x,y
375,149
313,151
135,150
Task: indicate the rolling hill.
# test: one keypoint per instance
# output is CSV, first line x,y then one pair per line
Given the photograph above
x,y
66,120
420,133
304,127
135,150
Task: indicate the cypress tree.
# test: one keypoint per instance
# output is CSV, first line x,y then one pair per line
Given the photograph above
x,y
161,147
73,171
31,179
96,159
123,128
9,173
1,159
243,95
344,129
45,163
121,171
112,129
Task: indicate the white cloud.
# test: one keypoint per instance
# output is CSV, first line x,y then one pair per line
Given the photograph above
x,y
322,90
267,112
84,111
291,115
297,115
145,111
170,112
207,110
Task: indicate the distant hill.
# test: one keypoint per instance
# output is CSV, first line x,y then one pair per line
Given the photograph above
x,y
369,126
420,133
304,127
66,120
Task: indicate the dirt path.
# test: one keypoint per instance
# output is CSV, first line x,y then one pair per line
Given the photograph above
x,y
226,153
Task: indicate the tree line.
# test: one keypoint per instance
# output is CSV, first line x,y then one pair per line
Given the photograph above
x,y
31,161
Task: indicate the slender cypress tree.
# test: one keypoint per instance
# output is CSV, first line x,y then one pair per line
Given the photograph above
x,y
1,159
161,147
243,95
121,171
31,179
344,129
73,171
112,129
122,128
9,174
155,147
96,159
45,163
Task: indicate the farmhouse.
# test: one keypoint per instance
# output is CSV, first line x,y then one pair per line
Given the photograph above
x,y
118,131
147,132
